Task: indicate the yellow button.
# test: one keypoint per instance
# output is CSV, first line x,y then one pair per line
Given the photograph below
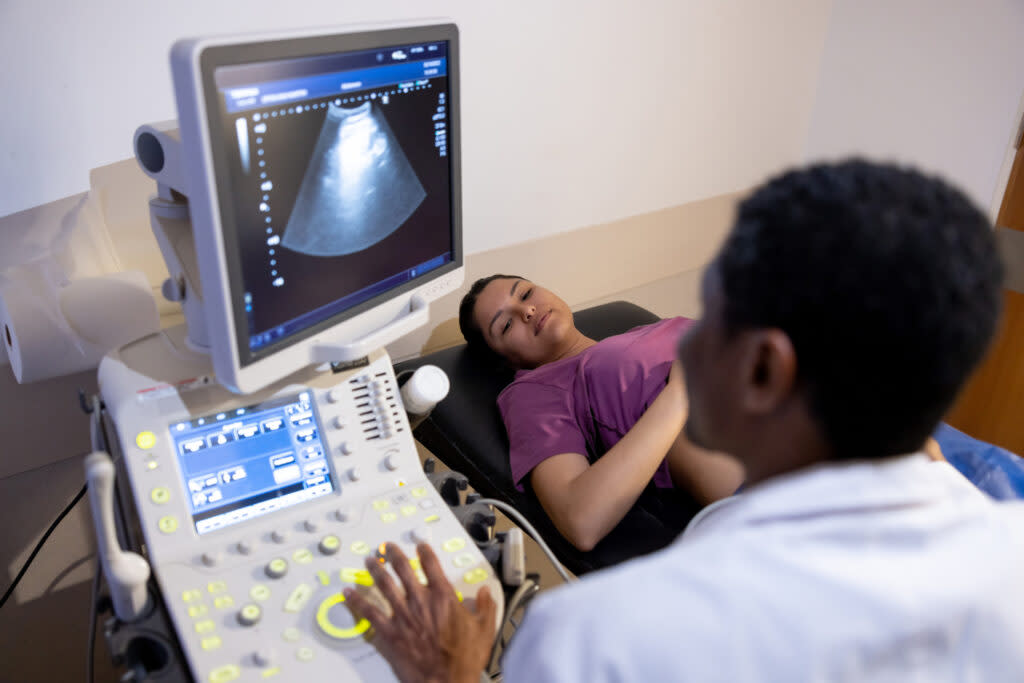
x,y
267,673
475,575
168,524
222,601
302,556
421,576
408,510
329,544
357,576
160,495
259,592
222,674
205,626
360,548
464,560
322,620
152,464
304,654
431,519
145,440
414,562
249,614
379,505
291,634
191,595
197,610
210,643
388,517
216,587
454,544
324,577
419,492
299,597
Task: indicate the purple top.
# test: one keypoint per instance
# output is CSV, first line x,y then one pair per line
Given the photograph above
x,y
586,403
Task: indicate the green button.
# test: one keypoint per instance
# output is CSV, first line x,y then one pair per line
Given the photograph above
x,y
304,654
379,505
360,548
299,597
408,510
160,495
192,595
419,492
205,626
388,517
259,592
216,587
291,634
454,544
211,643
464,560
302,556
475,575
145,440
197,610
223,601
222,674
168,524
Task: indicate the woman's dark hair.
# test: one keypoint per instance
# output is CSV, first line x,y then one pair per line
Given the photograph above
x,y
886,281
470,330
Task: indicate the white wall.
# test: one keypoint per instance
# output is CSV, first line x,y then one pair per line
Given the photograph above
x,y
936,83
575,112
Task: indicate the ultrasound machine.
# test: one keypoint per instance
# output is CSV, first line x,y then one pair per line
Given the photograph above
x,y
308,209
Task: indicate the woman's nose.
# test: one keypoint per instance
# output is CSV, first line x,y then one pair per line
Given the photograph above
x,y
528,311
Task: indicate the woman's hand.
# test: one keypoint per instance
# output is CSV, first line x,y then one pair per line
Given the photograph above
x,y
429,636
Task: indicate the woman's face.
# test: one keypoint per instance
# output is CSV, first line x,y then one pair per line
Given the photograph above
x,y
523,322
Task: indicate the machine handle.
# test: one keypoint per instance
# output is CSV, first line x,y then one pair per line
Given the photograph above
x,y
127,572
417,316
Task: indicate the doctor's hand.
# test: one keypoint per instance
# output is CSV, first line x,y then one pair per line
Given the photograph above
x,y
429,636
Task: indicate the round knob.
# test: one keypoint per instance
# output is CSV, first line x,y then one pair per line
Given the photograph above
x,y
276,568
329,545
278,536
353,474
310,526
345,448
420,535
427,386
210,558
263,657
339,422
335,394
249,615
391,462
343,514
244,547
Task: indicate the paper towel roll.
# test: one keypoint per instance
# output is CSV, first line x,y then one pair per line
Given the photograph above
x,y
52,331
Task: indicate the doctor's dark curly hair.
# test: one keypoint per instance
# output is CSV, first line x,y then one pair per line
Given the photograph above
x,y
886,281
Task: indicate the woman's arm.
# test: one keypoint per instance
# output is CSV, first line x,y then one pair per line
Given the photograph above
x,y
585,501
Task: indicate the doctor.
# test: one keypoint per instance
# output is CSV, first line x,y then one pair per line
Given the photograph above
x,y
841,317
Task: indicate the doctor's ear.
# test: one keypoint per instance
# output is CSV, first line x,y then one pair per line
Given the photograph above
x,y
769,369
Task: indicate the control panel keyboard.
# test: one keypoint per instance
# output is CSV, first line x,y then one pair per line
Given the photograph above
x,y
257,511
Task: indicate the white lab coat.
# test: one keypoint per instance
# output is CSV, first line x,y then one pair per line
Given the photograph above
x,y
889,571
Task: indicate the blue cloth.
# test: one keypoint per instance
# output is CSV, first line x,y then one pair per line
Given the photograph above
x,y
994,470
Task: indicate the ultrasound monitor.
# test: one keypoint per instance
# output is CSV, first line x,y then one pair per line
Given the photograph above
x,y
324,190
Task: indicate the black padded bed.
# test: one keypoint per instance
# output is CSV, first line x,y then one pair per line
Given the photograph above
x,y
465,432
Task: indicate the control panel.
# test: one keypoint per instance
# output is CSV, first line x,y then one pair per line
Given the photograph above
x,y
257,511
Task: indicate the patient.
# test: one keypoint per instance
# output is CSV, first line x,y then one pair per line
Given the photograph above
x,y
591,424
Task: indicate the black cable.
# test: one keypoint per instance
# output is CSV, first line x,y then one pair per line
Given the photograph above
x,y
35,551
91,642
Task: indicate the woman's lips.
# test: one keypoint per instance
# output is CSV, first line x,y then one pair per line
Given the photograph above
x,y
540,323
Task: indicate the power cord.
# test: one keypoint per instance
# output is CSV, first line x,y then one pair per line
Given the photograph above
x,y
39,545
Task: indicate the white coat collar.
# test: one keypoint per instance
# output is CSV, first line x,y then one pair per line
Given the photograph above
x,y
836,489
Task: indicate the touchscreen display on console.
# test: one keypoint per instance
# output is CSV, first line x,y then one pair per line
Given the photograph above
x,y
250,461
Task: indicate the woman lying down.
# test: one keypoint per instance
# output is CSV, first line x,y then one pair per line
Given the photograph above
x,y
622,398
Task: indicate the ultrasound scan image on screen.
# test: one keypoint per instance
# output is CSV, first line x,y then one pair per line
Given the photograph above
x,y
341,182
